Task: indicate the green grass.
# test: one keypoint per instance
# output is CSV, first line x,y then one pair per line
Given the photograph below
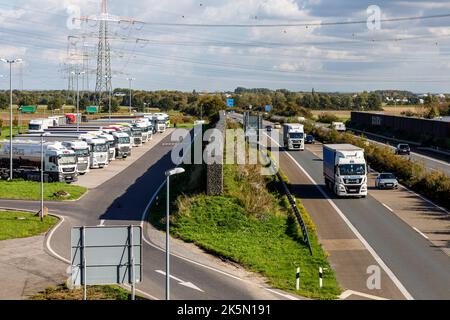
x,y
107,292
5,131
31,190
11,227
266,241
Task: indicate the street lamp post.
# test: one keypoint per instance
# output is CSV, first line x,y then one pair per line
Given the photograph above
x,y
109,97
78,73
130,79
42,177
10,62
168,174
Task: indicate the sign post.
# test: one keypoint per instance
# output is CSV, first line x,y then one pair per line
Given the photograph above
x,y
106,255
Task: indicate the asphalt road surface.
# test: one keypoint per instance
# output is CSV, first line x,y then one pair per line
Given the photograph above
x,y
422,269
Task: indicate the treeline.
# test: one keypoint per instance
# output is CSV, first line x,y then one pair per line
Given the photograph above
x,y
283,102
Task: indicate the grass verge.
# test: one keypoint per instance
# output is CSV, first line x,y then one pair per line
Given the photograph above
x,y
22,224
61,292
31,190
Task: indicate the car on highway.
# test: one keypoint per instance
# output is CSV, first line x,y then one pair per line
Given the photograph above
x,y
310,139
386,180
268,128
403,148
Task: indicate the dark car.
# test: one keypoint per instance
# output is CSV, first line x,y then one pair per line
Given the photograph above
x,y
310,139
402,148
268,128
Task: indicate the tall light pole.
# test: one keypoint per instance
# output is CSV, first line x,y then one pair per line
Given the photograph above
x,y
10,62
78,73
168,174
130,79
42,177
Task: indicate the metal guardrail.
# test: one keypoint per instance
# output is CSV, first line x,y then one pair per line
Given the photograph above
x,y
293,205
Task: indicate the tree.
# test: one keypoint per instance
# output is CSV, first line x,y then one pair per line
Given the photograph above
x,y
4,101
54,103
374,101
26,101
432,113
211,106
346,102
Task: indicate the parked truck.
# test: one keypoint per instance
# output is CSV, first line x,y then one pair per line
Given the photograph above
x,y
80,147
293,136
60,163
123,144
345,169
39,125
99,151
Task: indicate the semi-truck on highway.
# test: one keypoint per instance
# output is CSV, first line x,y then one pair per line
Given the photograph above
x,y
293,136
60,163
338,126
345,169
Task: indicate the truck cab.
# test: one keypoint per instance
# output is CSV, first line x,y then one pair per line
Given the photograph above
x,y
39,125
81,149
123,144
338,126
145,125
345,169
111,145
136,135
99,151
293,136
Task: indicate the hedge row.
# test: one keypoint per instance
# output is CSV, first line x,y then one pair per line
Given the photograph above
x,y
433,185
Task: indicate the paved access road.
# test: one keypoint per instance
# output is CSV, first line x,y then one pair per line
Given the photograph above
x,y
420,269
122,201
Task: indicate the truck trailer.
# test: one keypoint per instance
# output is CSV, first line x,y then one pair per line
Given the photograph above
x,y
293,136
60,163
345,169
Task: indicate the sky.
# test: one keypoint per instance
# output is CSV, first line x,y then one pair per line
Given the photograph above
x,y
212,45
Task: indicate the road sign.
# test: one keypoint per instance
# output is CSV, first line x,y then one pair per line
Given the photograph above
x,y
268,108
230,102
106,255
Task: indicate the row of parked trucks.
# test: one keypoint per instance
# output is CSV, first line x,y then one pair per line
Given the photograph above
x,y
70,150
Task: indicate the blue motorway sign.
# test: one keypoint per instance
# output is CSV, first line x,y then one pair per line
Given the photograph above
x,y
268,108
230,102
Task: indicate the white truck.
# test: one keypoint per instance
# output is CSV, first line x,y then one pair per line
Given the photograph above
x,y
70,141
146,127
81,149
123,144
60,163
345,169
111,145
99,151
338,126
293,136
39,125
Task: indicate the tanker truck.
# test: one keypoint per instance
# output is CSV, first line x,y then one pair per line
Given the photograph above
x,y
60,163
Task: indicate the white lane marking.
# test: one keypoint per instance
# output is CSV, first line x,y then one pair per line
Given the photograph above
x,y
377,258
387,207
181,282
102,223
348,293
128,287
287,296
425,199
422,234
47,243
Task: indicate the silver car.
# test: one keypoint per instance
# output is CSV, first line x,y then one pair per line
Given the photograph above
x,y
386,181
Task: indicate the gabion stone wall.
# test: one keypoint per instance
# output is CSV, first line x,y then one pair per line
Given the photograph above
x,y
214,171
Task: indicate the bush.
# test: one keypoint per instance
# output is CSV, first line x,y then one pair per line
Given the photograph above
x,y
327,118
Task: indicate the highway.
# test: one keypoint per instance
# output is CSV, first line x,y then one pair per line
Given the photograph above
x,y
420,270
122,200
